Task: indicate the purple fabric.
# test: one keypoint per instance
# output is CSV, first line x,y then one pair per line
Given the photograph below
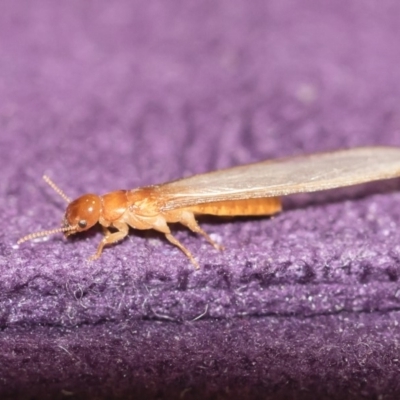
x,y
108,95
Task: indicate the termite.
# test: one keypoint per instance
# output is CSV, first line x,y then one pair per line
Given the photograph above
x,y
247,190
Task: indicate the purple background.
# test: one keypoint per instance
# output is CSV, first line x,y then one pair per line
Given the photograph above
x,y
108,95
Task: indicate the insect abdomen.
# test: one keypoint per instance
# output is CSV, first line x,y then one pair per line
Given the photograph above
x,y
263,206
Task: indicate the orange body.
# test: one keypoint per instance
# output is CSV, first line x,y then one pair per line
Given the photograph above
x,y
143,208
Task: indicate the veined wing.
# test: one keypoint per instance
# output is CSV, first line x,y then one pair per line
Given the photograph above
x,y
284,176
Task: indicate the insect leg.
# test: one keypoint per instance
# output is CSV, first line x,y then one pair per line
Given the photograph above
x,y
110,237
188,219
106,231
161,226
176,242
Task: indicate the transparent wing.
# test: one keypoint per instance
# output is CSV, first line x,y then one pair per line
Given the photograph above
x,y
283,176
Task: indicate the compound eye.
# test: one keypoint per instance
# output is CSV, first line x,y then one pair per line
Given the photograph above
x,y
82,223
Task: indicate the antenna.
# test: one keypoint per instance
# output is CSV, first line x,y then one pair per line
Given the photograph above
x,y
44,233
56,188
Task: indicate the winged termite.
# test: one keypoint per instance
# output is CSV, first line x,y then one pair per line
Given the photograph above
x,y
246,190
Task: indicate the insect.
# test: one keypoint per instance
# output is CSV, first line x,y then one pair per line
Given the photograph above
x,y
247,190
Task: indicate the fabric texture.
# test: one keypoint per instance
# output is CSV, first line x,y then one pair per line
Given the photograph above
x,y
102,96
